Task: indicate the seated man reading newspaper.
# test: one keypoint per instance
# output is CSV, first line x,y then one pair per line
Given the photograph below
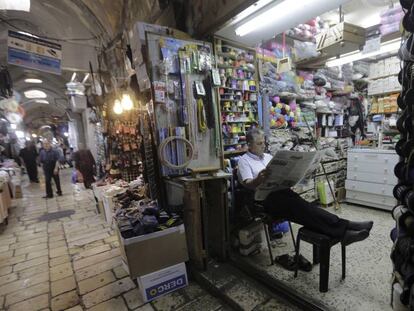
x,y
271,179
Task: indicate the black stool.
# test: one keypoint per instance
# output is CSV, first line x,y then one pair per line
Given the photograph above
x,y
321,253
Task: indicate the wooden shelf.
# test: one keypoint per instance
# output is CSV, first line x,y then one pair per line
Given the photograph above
x,y
239,121
384,76
386,92
244,111
236,67
229,88
240,143
237,100
234,152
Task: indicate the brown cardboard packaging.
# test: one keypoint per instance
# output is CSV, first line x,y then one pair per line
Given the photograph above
x,y
154,251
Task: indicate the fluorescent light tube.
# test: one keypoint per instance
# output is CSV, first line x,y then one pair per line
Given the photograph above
x,y
32,80
250,10
85,78
285,13
34,94
73,77
387,47
17,5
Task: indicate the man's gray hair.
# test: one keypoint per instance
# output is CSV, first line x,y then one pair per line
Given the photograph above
x,y
252,134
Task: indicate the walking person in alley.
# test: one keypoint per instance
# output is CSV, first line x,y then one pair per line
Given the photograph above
x,y
29,156
49,158
85,163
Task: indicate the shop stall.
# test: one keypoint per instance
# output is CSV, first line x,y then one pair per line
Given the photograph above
x,y
172,190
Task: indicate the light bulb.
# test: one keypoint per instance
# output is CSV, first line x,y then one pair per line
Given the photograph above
x,y
118,107
126,102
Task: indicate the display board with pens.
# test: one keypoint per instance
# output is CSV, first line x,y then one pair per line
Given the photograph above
x,y
182,76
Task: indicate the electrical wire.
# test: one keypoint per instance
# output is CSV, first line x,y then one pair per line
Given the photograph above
x,y
162,156
46,37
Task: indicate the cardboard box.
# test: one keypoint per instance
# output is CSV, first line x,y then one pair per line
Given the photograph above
x,y
162,282
151,252
108,204
17,191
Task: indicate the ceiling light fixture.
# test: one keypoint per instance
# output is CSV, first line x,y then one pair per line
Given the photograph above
x,y
34,135
28,34
85,78
35,94
288,13
19,134
73,77
126,102
118,107
31,80
250,10
387,47
41,101
16,5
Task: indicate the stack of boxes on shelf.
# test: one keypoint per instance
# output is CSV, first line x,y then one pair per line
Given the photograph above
x,y
383,75
237,95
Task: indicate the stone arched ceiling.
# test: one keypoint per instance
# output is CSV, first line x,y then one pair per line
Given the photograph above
x,y
70,21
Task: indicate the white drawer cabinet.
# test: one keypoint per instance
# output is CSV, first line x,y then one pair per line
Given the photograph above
x,y
370,177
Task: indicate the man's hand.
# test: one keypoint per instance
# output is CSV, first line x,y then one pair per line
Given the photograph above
x,y
56,171
262,176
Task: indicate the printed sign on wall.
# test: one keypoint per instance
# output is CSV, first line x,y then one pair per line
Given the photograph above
x,y
34,53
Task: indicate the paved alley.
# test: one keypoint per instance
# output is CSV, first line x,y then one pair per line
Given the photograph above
x,y
59,254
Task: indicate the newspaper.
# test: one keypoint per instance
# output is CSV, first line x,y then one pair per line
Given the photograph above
x,y
286,169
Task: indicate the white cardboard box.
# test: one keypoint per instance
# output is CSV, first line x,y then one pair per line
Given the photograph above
x,y
161,282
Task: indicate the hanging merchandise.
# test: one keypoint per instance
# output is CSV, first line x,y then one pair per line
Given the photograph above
x,y
201,116
6,83
183,104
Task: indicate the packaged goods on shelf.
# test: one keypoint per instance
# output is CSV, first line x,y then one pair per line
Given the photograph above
x,y
362,68
385,67
390,20
307,31
304,50
384,85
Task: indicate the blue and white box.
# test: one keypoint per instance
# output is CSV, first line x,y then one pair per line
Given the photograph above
x,y
162,282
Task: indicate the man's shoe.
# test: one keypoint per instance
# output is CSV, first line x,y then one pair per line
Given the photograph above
x,y
360,225
352,236
59,193
47,197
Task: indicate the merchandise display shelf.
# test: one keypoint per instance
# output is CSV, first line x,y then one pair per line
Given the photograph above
x,y
234,153
384,76
236,100
244,111
241,143
239,121
238,81
385,92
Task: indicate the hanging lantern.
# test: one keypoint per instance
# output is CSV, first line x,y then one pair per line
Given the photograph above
x,y
118,107
126,102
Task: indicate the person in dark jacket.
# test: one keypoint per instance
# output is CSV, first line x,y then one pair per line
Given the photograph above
x,y
85,163
50,160
29,155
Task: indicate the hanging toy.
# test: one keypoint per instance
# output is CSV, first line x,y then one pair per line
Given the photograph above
x,y
201,116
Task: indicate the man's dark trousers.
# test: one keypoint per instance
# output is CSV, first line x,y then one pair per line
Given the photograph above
x,y
49,174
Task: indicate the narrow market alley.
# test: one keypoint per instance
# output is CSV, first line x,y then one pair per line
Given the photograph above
x,y
60,254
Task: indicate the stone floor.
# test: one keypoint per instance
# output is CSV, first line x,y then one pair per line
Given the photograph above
x,y
368,266
72,262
